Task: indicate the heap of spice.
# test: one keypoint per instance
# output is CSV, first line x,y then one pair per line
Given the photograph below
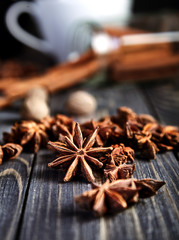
x,y
145,134
106,146
141,132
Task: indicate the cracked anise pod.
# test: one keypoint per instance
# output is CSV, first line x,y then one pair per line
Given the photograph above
x,y
165,137
171,136
9,151
122,154
124,114
145,118
154,130
124,171
48,121
77,154
29,134
115,196
63,125
142,141
107,130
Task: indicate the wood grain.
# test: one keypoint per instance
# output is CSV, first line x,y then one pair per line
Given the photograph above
x,y
164,99
50,212
14,178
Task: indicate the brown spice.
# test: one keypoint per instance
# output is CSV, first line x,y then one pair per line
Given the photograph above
x,y
62,125
29,134
9,151
75,152
48,121
108,131
145,134
80,103
113,172
122,154
115,196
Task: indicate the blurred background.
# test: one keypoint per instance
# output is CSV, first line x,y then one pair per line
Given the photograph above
x,y
161,15
88,36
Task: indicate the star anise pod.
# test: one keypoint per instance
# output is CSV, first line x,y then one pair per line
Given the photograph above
x,y
63,125
9,151
124,171
141,141
163,137
171,136
48,122
88,128
115,196
29,134
77,153
124,114
107,130
155,130
145,119
122,154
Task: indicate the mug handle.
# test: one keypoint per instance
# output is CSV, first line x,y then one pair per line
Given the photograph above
x,y
23,36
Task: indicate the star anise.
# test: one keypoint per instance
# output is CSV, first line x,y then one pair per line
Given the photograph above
x,y
115,196
63,125
124,114
155,131
145,134
171,136
124,171
9,151
145,119
48,122
76,153
107,130
29,134
122,154
141,140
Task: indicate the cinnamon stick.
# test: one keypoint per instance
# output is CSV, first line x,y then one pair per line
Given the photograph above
x,y
154,66
128,62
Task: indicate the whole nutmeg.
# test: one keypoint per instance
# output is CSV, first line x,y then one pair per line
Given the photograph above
x,y
81,103
34,109
39,92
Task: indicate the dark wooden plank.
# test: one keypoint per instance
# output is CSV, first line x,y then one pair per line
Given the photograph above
x,y
165,100
51,213
14,178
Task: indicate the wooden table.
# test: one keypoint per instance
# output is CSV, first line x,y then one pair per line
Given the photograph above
x,y
35,204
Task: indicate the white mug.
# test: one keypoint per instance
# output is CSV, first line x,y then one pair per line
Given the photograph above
x,y
58,19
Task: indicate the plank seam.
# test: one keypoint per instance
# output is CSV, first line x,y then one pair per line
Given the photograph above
x,y
25,199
